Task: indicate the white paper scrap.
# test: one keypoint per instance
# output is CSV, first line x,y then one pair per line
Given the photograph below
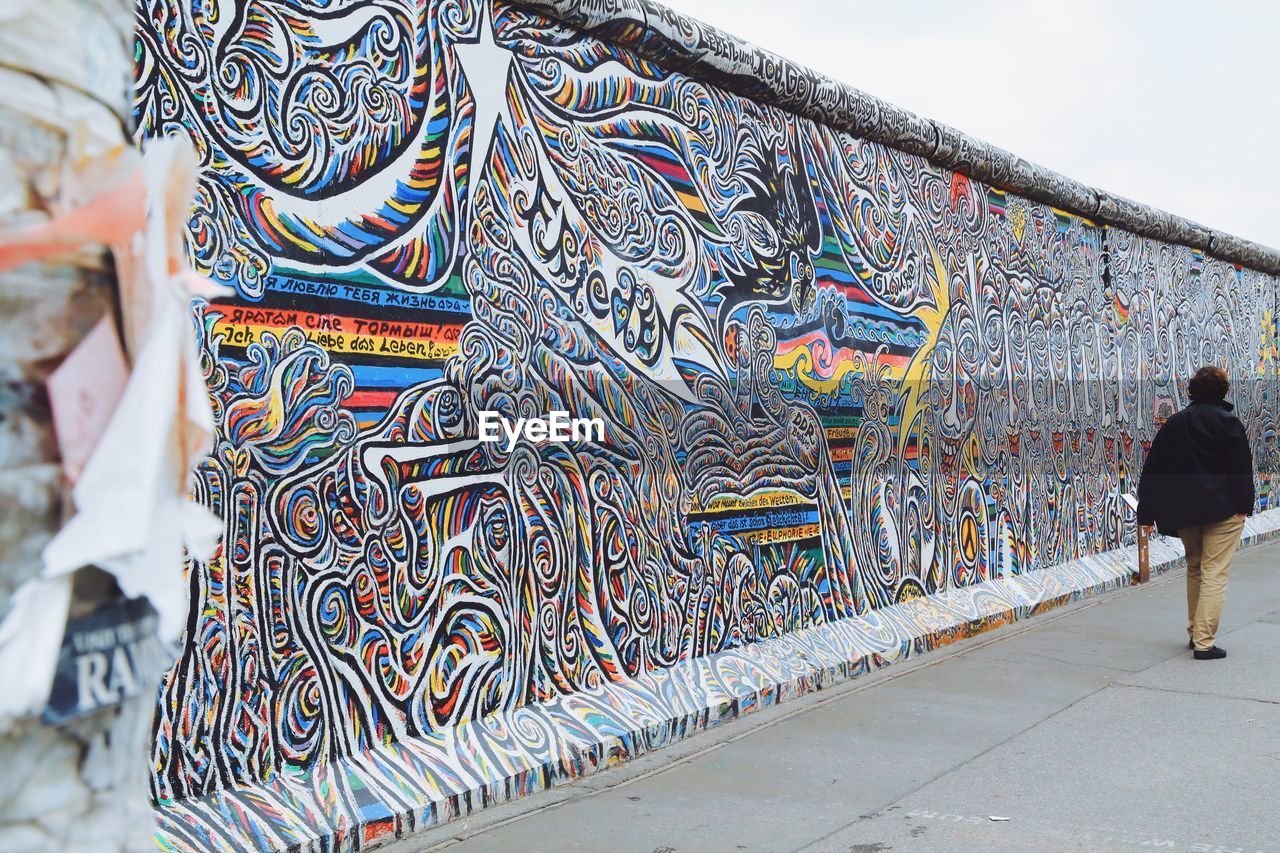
x,y
134,513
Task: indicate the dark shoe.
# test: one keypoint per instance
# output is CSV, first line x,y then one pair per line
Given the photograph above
x,y
1213,653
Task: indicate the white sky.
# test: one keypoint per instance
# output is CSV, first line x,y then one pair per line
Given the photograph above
x,y
1169,102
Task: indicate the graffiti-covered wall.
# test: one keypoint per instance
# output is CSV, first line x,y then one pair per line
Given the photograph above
x,y
833,376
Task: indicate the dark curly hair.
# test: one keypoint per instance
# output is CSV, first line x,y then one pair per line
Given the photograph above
x,y
1209,385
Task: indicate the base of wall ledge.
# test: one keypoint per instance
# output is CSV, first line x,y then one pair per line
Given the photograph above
x,y
361,802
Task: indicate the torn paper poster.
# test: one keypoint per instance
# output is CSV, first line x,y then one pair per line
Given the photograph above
x,y
83,393
112,218
134,510
134,516
30,642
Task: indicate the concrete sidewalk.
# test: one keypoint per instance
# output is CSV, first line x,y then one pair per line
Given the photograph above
x,y
1089,728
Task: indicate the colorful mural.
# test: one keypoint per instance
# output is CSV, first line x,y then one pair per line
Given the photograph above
x,y
834,376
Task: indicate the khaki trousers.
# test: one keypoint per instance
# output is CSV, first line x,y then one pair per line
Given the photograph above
x,y
1210,548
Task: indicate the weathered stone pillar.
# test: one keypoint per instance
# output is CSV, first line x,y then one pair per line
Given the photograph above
x,y
64,103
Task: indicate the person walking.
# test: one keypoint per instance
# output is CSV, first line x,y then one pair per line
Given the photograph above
x,y
1197,483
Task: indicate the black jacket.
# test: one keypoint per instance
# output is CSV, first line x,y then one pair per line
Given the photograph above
x,y
1199,470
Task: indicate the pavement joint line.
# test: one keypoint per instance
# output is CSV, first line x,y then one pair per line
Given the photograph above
x,y
850,687
1228,696
1082,664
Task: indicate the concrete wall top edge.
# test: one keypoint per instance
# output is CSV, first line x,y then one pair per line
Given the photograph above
x,y
684,44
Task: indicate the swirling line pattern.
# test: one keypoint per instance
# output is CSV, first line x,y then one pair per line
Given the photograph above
x,y
674,41
351,803
836,379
